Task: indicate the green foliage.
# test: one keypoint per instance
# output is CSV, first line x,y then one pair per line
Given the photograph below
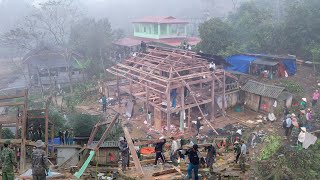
x,y
292,86
82,124
93,38
7,134
258,27
215,35
272,144
57,119
78,96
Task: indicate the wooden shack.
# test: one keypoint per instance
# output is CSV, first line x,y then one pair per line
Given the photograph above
x,y
265,98
108,153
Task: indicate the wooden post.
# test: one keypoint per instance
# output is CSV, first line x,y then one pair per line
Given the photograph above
x,y
17,124
24,132
147,104
157,119
213,100
52,139
223,93
133,151
168,111
118,92
182,112
46,129
189,119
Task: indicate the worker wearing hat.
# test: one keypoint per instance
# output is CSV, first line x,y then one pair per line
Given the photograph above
x,y
40,163
8,161
237,151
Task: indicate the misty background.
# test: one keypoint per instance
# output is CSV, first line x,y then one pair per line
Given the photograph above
x,y
122,12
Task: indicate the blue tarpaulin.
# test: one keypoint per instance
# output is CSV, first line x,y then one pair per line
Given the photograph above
x,y
240,63
290,66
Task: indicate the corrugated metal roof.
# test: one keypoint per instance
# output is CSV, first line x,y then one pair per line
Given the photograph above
x,y
265,90
161,20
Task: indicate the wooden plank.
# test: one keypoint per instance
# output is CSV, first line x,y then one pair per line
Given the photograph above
x,y
13,141
20,95
168,171
3,104
157,119
46,133
133,151
36,117
104,136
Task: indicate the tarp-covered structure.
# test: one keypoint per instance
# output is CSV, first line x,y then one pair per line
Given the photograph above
x,y
249,63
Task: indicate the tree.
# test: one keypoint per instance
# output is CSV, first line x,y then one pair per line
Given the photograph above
x,y
82,123
215,36
94,40
47,25
7,134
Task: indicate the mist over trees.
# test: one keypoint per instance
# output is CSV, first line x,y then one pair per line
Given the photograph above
x,y
275,27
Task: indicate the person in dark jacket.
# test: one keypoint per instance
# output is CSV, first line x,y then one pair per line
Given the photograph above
x,y
159,149
211,154
124,149
194,161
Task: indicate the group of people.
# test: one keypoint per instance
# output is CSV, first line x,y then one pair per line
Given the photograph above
x,y
66,137
40,164
35,133
303,121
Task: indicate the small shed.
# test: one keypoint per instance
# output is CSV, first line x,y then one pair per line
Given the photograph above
x,y
64,152
108,153
264,98
268,66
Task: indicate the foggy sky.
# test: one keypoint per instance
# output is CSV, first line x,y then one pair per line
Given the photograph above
x,y
121,12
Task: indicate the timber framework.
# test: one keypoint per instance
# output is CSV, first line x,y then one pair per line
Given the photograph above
x,y
170,81
18,97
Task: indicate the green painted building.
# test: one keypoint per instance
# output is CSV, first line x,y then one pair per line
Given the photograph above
x,y
160,27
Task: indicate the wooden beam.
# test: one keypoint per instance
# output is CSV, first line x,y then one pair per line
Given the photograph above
x,y
197,104
133,151
20,95
104,136
24,133
168,171
213,101
52,139
4,104
46,134
36,117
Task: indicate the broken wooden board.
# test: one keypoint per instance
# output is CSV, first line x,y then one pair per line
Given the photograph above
x,y
133,151
168,171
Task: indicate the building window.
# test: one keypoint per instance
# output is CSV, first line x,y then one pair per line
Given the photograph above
x,y
155,29
144,29
163,29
